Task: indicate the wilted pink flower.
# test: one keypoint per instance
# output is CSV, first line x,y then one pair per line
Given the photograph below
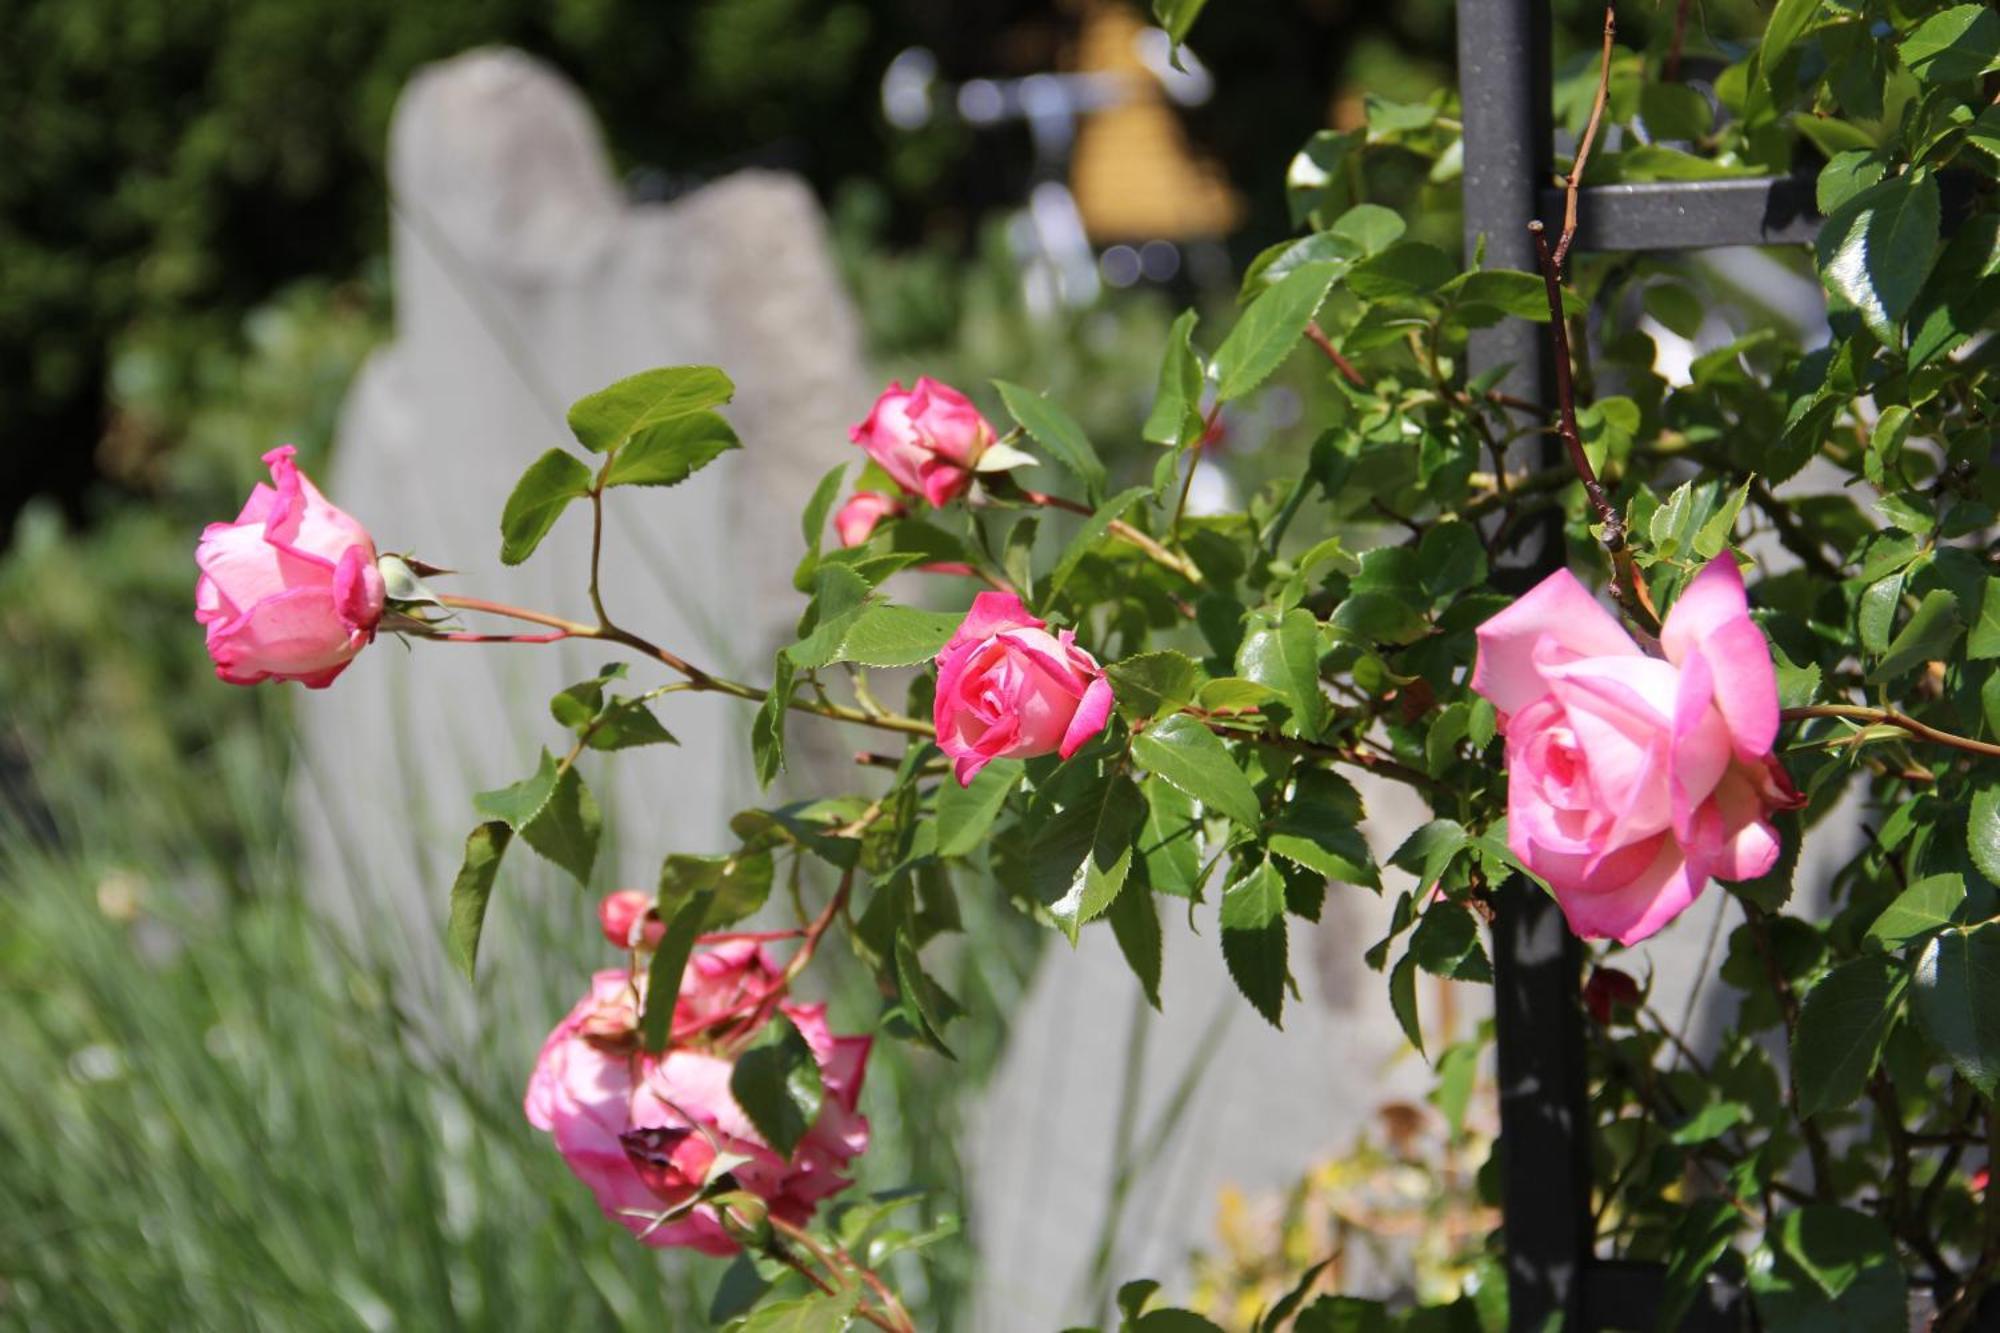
x,y
643,1132
864,509
1008,689
289,591
927,439
1632,781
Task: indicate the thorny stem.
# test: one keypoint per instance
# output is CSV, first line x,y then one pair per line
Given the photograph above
x,y
1889,717
1119,528
1614,527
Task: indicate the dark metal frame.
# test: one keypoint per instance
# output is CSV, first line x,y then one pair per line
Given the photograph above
x,y
1506,88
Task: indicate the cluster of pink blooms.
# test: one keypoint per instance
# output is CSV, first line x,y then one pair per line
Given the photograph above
x,y
1633,780
645,1132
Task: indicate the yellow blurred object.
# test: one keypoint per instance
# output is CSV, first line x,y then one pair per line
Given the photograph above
x,y
1134,174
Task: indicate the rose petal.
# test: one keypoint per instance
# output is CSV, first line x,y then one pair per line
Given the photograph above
x,y
1559,609
1661,891
1091,714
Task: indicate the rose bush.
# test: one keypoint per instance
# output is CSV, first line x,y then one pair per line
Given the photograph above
x,y
1154,714
289,591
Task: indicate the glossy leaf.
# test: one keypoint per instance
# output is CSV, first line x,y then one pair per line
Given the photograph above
x,y
1270,329
1057,431
778,1085
604,420
671,451
1184,752
538,500
471,891
1253,938
1842,1024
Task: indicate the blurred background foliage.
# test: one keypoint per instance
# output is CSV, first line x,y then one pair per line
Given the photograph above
x,y
211,1117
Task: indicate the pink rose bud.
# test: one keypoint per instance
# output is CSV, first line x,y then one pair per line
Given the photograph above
x,y
644,1131
928,439
1632,781
858,517
1008,689
622,912
289,591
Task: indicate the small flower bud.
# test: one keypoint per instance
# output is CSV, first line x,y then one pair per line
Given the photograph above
x,y
622,913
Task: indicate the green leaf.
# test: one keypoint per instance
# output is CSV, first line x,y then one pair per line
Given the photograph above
x,y
1961,43
885,635
1151,684
1406,269
1343,1314
1369,228
1713,535
1712,1121
1932,630
1789,21
924,1001
1875,250
820,1312
767,732
1378,617
1982,834
553,811
1841,1027
1956,996
470,892
1674,111
1446,944
1056,431
1848,174
608,418
1253,938
539,498
1983,640
777,1083
1089,535
1698,1239
1318,829
839,594
1135,921
1429,852
626,724
1403,1000
1177,16
671,451
1284,657
1080,856
1925,906
1829,1270
1269,329
1176,410
733,885
966,814
1170,840
1450,559
663,982
1132,1297
1182,751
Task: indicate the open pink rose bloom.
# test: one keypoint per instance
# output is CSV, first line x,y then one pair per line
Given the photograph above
x,y
1009,689
644,1131
927,439
1632,781
289,591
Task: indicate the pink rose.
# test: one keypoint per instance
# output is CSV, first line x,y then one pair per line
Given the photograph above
x,y
1632,781
643,1131
928,439
864,509
1008,689
289,591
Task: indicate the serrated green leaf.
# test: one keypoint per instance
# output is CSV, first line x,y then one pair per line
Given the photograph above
x,y
839,594
777,1083
923,999
1925,906
471,891
1955,994
1429,852
663,981
1875,250
566,830
1697,1240
1182,751
1982,834
538,500
734,885
1841,1027
1318,828
1446,944
520,803
1080,855
608,418
670,452
1927,637
966,814
1829,1270
886,635
1403,1000
1253,938
767,731
1170,840
1269,330
1176,413
1135,921
1057,431
1151,684
1961,43
820,1312
1982,641
1284,657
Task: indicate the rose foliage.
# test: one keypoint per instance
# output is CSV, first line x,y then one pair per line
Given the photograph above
x,y
1149,720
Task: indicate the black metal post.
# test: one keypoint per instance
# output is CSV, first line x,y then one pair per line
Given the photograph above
x,y
1505,89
